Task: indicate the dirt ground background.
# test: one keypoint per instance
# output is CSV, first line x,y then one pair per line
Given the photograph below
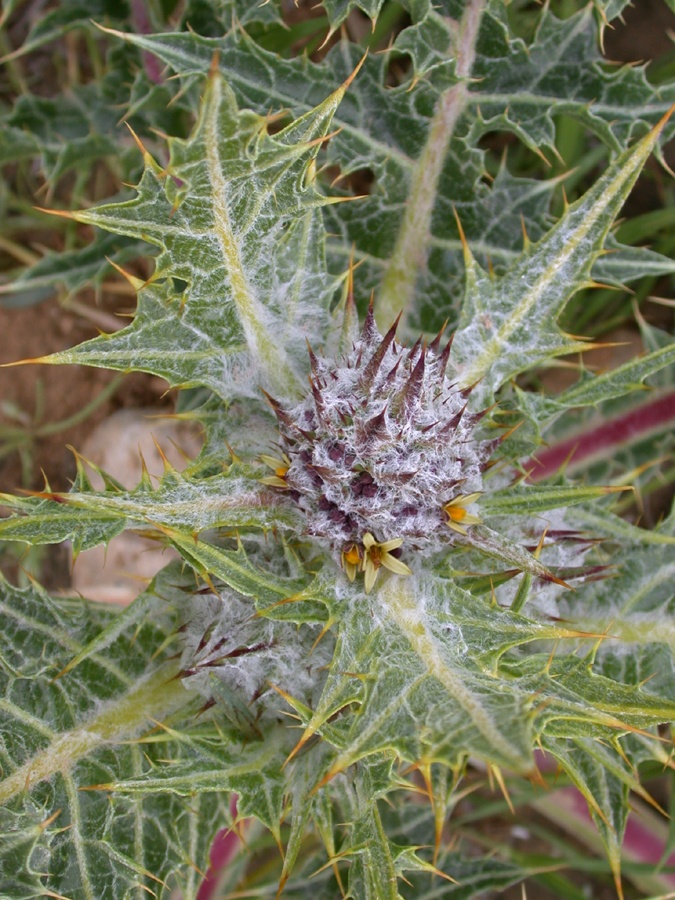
x,y
38,330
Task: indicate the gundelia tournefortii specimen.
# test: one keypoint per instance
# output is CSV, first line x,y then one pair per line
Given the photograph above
x,y
382,455
414,596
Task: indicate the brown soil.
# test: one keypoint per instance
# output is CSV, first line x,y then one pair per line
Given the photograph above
x,y
645,32
62,392
38,331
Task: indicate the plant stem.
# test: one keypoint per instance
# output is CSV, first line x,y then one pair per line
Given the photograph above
x,y
604,438
410,253
156,697
644,842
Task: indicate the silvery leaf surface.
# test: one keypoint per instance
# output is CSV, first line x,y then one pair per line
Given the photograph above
x,y
239,278
386,131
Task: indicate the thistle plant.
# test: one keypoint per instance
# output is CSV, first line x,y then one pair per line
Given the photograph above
x,y
374,449
387,594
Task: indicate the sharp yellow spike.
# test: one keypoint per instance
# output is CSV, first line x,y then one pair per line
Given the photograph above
x,y
320,140
331,201
549,661
566,204
193,865
34,360
324,631
540,545
468,256
282,883
541,156
235,458
167,465
287,697
329,776
139,143
499,778
63,213
47,822
537,778
335,858
145,475
329,35
413,83
295,598
350,276
429,867
523,228
309,732
272,117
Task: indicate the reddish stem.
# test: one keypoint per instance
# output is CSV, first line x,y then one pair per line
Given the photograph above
x,y
604,438
640,844
226,845
143,25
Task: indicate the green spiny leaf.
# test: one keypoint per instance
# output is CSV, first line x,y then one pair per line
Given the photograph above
x,y
594,389
61,736
338,10
531,500
178,504
235,218
508,323
384,130
372,874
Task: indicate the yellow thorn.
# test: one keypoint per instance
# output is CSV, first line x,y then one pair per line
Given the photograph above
x,y
566,204
145,475
167,465
41,360
462,236
324,631
209,583
414,82
547,667
345,84
526,239
295,598
540,545
47,822
329,776
235,458
63,213
282,693
331,201
499,778
306,735
136,283
320,140
434,871
664,118
139,143
331,32
540,155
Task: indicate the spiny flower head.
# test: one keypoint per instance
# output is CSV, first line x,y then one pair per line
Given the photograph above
x,y
381,454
